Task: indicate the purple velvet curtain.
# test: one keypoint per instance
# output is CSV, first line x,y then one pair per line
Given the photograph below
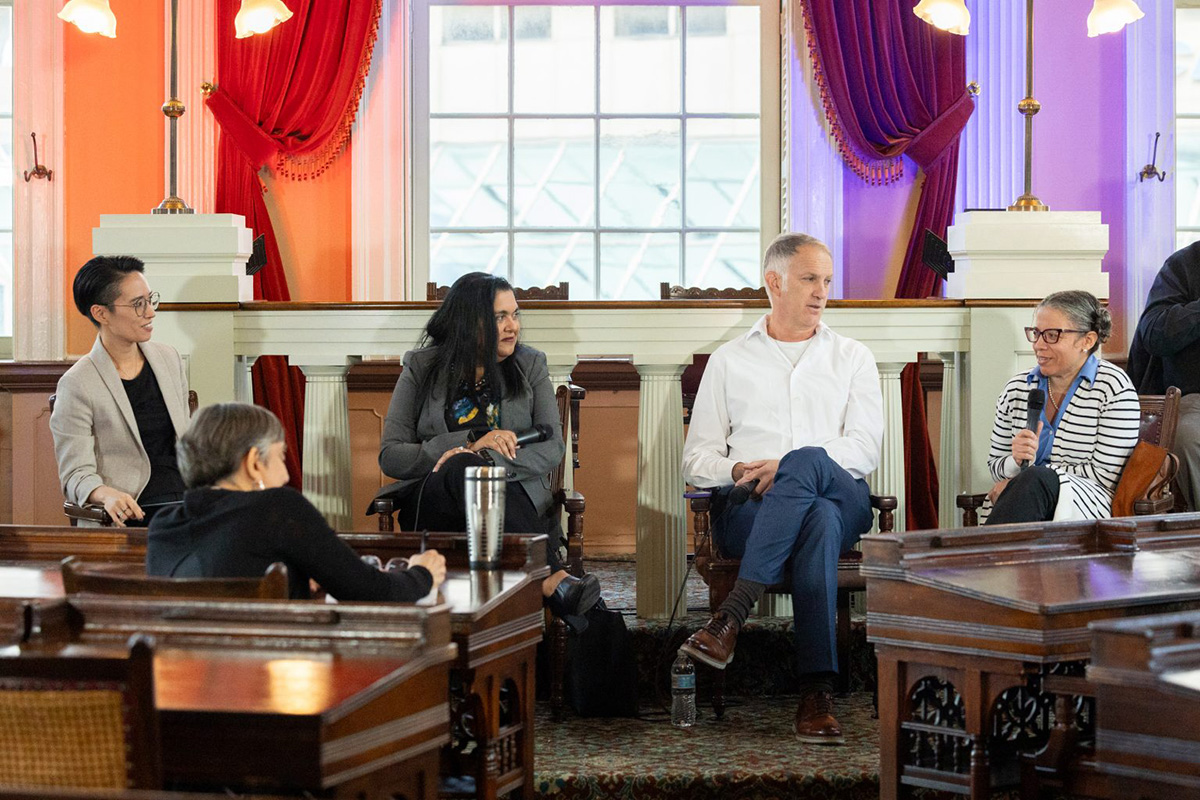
x,y
894,85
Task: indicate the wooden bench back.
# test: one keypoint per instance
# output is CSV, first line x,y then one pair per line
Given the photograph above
x,y
130,579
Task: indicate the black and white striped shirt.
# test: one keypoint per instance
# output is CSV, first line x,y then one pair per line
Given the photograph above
x,y
1097,431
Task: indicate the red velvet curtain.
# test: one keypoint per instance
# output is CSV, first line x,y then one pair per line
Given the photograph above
x,y
894,85
286,101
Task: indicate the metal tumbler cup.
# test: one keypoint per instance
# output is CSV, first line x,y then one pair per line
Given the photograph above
x,y
484,498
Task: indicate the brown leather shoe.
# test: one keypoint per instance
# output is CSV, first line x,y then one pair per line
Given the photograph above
x,y
815,723
713,644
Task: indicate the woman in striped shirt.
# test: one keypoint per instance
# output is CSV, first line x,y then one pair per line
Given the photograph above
x,y
1069,467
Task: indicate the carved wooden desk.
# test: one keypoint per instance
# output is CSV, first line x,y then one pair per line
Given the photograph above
x,y
1145,677
969,624
496,625
258,695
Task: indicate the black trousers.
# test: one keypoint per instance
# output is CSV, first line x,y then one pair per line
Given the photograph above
x,y
1029,497
439,504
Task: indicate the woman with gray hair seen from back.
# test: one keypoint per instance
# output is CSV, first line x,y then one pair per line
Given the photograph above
x,y
1069,466
238,517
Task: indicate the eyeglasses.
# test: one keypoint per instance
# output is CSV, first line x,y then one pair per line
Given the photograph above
x,y
1050,335
140,305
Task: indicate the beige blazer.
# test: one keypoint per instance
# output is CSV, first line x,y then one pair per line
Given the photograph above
x,y
96,438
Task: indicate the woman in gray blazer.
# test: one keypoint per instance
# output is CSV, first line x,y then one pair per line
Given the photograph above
x,y
119,409
461,401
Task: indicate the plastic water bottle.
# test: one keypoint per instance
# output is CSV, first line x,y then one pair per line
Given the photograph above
x,y
683,692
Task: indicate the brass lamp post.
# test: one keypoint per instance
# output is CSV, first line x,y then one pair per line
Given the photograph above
x,y
95,16
1107,16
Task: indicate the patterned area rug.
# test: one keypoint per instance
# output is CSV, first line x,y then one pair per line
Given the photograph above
x,y
765,663
749,754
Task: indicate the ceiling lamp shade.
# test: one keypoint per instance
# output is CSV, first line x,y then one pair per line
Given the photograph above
x,y
1110,16
90,16
949,15
259,16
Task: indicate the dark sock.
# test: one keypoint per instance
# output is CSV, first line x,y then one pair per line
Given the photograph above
x,y
741,599
817,682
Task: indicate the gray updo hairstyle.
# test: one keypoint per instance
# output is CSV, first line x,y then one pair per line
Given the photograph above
x,y
218,439
1085,312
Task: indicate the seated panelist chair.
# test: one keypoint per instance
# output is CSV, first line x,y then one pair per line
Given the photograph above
x,y
1160,417
568,502
97,712
92,512
720,571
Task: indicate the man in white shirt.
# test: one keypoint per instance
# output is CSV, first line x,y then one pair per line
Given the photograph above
x,y
794,412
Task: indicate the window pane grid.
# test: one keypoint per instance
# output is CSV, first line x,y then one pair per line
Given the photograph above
x,y
629,186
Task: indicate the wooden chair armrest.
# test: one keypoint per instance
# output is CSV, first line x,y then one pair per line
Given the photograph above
x,y
970,505
970,501
886,505
384,507
87,513
572,500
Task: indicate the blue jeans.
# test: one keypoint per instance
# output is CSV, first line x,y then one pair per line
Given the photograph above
x,y
813,513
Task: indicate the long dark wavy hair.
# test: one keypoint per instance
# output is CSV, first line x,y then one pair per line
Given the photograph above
x,y
463,330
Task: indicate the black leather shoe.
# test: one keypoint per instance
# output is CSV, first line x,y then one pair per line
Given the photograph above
x,y
574,597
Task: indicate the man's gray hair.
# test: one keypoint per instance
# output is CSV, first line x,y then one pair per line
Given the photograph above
x,y
780,251
219,437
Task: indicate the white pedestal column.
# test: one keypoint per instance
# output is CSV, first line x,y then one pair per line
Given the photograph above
x,y
950,473
889,478
327,441
1026,255
661,528
243,379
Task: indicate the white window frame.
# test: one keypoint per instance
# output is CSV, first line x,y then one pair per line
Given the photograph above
x,y
1176,117
6,342
39,328
771,160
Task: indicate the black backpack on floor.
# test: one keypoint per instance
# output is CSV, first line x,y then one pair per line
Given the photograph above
x,y
602,678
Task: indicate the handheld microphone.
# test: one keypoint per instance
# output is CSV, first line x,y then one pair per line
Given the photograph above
x,y
741,493
539,433
1037,401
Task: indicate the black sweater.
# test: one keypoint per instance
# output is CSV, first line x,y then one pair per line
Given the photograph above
x,y
217,533
1166,348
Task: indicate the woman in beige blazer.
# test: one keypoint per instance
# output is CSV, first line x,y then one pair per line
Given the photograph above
x,y
120,408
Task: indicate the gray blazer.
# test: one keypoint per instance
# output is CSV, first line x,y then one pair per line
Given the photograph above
x,y
96,438
415,437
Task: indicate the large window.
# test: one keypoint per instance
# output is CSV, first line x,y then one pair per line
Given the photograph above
x,y
611,146
7,172
1187,122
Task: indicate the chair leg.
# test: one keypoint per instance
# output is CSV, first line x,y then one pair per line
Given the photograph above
x,y
718,693
843,640
558,666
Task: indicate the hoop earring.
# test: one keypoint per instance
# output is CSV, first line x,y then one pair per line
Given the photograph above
x,y
260,485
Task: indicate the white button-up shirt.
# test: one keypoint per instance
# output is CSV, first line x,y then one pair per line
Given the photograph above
x,y
753,404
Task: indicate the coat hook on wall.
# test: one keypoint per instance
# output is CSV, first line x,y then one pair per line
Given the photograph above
x,y
1150,170
39,170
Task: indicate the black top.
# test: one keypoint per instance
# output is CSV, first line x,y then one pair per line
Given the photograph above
x,y
158,435
1166,348
218,533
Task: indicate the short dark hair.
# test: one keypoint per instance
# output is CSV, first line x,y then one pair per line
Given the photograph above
x,y
98,282
219,437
